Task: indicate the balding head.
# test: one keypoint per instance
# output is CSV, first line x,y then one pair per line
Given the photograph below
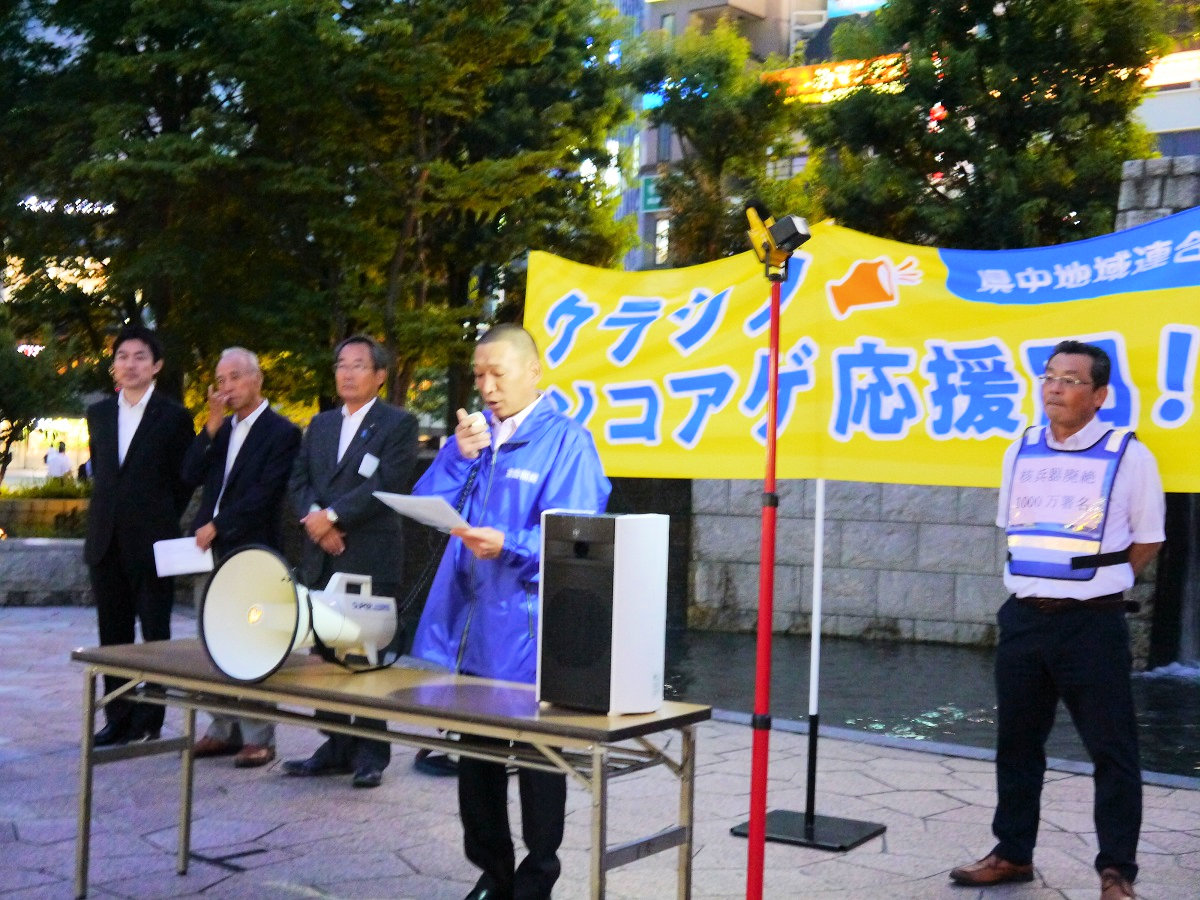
x,y
507,370
514,335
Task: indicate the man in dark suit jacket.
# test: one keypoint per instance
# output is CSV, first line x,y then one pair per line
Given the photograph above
x,y
243,461
346,455
137,440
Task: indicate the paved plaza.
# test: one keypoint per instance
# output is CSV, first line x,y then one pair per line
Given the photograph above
x,y
257,834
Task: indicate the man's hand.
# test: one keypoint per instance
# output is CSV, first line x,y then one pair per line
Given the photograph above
x,y
205,535
471,434
317,525
216,410
333,542
485,543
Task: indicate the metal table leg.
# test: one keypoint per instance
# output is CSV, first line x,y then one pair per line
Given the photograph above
x,y
185,790
687,792
84,830
599,822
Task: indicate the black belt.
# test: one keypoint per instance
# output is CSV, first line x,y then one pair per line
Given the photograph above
x,y
1063,604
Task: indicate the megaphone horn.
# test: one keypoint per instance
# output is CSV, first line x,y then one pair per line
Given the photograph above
x,y
254,615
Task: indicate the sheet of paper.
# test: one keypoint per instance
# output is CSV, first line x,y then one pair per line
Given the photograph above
x,y
181,556
432,511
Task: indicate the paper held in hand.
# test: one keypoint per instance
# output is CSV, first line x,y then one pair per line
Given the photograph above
x,y
181,556
433,511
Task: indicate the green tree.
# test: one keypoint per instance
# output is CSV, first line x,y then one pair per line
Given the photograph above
x,y
479,119
1009,130
732,126
281,173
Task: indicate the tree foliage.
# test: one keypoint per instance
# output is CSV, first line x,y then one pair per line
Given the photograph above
x,y
1009,130
282,173
731,124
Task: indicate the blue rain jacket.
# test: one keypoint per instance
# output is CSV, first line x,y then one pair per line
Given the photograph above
x,y
481,615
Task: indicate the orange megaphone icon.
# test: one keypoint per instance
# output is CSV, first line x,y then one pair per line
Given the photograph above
x,y
871,282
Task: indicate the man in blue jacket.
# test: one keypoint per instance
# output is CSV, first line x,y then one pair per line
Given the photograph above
x,y
506,466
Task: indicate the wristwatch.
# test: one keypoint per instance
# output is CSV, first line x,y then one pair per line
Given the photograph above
x,y
331,514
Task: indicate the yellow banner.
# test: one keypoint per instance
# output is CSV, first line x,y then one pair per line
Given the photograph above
x,y
897,363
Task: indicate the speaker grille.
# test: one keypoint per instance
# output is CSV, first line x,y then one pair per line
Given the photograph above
x,y
577,632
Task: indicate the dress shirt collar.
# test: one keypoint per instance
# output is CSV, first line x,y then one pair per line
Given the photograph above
x,y
351,421
140,405
1085,437
358,416
506,429
252,418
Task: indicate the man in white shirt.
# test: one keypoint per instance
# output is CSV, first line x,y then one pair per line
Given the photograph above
x,y
243,462
58,464
347,454
1083,508
137,440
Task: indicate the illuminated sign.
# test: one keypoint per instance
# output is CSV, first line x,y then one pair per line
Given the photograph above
x,y
825,82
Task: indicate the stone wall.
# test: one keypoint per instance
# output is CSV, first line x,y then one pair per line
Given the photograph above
x,y
1154,188
43,572
901,562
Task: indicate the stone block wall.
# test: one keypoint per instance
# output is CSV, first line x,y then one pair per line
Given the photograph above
x,y
1154,188
901,562
43,572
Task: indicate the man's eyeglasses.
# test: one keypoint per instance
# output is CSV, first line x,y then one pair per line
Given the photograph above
x,y
354,368
1062,380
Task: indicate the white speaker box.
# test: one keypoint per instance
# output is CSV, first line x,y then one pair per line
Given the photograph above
x,y
602,604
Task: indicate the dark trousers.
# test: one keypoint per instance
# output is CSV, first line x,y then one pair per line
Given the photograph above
x,y
347,750
487,839
126,593
1083,657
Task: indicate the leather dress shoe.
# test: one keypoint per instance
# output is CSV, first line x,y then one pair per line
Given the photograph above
x,y
211,746
991,870
110,734
367,777
1115,886
252,756
435,763
307,768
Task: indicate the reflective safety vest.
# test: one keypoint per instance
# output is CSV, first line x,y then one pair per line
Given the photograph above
x,y
1058,504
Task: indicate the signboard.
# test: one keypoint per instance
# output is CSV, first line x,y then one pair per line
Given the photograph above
x,y
898,363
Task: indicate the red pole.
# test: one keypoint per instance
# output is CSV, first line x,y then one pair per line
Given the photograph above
x,y
761,723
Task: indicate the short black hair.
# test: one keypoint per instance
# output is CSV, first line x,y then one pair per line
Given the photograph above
x,y
379,356
136,331
1101,364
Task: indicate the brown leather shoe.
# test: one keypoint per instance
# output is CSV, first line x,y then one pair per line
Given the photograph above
x,y
991,870
1115,886
208,746
253,755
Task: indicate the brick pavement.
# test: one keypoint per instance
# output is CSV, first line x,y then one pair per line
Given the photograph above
x,y
259,835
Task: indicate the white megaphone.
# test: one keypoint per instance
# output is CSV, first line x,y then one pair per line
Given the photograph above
x,y
255,614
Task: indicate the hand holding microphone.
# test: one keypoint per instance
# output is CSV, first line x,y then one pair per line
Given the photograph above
x,y
471,434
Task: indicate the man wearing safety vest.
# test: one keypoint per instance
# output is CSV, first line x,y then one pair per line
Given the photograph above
x,y
1082,505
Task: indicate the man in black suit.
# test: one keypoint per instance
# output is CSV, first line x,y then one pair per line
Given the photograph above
x,y
137,441
346,455
243,462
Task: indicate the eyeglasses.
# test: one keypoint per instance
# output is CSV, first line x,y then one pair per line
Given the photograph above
x,y
1061,380
353,368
